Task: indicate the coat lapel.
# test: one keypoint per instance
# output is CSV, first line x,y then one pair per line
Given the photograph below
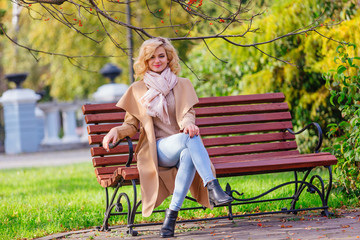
x,y
185,98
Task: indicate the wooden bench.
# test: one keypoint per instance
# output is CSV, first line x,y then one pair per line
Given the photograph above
x,y
244,135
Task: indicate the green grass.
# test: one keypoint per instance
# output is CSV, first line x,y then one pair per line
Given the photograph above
x,y
42,201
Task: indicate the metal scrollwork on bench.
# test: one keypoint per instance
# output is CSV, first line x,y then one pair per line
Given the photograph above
x,y
119,209
300,185
319,133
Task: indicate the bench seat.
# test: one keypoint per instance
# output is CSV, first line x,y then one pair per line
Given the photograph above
x,y
232,166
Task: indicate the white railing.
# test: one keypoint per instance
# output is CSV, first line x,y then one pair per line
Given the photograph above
x,y
63,124
51,125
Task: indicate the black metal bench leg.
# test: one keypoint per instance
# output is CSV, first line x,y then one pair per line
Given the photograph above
x,y
322,192
229,192
105,226
132,213
119,208
298,189
327,194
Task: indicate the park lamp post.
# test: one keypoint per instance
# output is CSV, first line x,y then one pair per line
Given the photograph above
x,y
17,78
112,91
111,71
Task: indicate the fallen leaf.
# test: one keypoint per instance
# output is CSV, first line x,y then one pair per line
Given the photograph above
x,y
344,226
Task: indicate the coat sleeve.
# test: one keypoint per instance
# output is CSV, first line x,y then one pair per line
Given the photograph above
x,y
189,118
129,127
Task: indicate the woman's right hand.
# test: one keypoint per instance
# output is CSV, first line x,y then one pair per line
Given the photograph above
x,y
111,136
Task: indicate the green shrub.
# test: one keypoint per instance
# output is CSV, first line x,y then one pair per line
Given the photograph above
x,y
344,86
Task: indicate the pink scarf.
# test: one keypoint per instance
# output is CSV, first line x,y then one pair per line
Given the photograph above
x,y
159,86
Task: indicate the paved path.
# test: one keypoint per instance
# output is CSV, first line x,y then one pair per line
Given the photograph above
x,y
38,159
346,225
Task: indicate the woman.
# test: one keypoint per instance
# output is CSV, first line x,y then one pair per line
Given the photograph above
x,y
171,157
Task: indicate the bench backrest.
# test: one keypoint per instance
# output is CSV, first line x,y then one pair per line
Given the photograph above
x,y
233,128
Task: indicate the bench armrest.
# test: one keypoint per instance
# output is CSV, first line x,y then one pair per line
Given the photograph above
x,y
131,149
319,133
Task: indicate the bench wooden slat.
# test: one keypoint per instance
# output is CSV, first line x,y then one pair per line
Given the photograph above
x,y
255,148
130,173
274,165
109,176
255,138
256,156
103,179
262,156
106,170
241,99
99,108
242,109
242,119
105,117
245,128
115,178
97,139
103,128
120,149
111,160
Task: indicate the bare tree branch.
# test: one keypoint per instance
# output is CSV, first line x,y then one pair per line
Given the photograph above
x,y
32,51
191,70
213,53
269,41
281,60
57,2
329,38
232,14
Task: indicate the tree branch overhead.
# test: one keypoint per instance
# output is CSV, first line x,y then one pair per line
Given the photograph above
x,y
200,20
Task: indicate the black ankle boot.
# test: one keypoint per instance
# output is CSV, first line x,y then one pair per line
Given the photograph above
x,y
168,227
217,196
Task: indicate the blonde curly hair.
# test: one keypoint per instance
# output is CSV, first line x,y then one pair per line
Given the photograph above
x,y
147,50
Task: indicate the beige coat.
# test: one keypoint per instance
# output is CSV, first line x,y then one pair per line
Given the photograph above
x,y
157,183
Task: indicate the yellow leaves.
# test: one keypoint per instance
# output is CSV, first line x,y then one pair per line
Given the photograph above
x,y
346,31
251,82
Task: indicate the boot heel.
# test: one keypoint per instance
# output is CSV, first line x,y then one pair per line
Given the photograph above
x,y
217,196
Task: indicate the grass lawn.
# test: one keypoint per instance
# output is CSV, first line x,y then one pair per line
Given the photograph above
x,y
42,201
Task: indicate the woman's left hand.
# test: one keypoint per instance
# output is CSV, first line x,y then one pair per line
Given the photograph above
x,y
192,130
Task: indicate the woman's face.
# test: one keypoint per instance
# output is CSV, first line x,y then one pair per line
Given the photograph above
x,y
158,61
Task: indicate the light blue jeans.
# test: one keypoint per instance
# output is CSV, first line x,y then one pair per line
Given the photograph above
x,y
188,155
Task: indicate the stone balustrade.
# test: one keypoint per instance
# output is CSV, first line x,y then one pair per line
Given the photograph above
x,y
64,126
32,126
